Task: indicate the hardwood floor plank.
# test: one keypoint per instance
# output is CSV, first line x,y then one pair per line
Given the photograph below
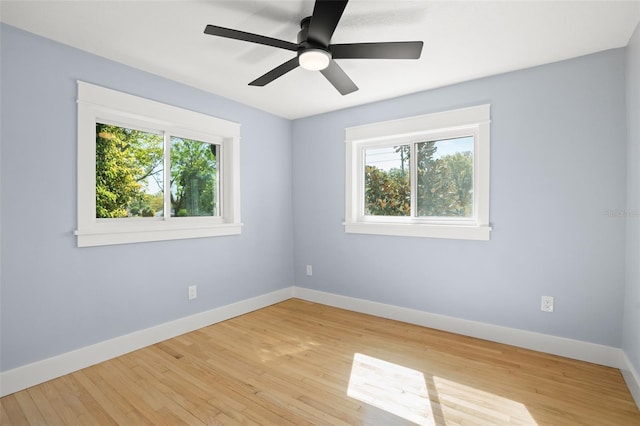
x,y
4,415
232,397
298,362
12,412
44,405
30,409
102,402
117,405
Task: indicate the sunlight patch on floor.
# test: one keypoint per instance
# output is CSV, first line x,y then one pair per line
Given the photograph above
x,y
460,402
404,392
391,387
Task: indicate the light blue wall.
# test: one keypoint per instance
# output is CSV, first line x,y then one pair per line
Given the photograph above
x,y
56,297
558,145
631,343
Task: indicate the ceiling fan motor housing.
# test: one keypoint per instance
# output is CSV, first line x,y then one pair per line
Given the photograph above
x,y
311,55
303,39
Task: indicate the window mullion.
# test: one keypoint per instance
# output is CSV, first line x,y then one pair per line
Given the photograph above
x,y
361,181
220,209
167,176
413,179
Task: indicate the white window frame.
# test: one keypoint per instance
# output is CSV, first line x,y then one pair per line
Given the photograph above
x,y
473,121
99,104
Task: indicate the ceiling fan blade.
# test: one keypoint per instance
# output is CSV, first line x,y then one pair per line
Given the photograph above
x,y
250,37
278,71
390,50
339,78
325,18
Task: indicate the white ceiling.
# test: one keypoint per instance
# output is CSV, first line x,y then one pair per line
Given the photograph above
x,y
463,40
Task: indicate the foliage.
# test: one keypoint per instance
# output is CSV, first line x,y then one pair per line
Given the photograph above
x,y
193,178
124,159
387,193
460,168
444,185
145,205
127,160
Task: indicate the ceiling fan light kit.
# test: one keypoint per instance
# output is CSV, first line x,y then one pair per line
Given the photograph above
x,y
314,59
314,50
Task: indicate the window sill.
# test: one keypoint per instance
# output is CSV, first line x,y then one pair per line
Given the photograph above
x,y
102,237
457,232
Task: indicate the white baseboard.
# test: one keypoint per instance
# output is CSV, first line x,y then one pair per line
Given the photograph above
x,y
38,372
576,349
632,378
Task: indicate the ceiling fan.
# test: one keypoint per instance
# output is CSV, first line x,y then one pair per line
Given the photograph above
x,y
315,51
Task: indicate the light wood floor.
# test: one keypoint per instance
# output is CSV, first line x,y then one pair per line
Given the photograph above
x,y
303,363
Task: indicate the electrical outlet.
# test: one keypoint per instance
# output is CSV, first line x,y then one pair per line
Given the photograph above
x,y
546,304
309,270
193,292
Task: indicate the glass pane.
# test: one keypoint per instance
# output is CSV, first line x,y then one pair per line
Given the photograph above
x,y
387,187
194,178
129,172
445,177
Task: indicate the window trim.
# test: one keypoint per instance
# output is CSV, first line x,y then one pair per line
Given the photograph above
x,y
471,121
99,104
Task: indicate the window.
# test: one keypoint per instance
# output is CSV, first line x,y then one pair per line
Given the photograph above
x,y
425,176
149,171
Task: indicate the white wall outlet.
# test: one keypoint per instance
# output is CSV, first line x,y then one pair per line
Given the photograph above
x,y
193,292
309,270
546,304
